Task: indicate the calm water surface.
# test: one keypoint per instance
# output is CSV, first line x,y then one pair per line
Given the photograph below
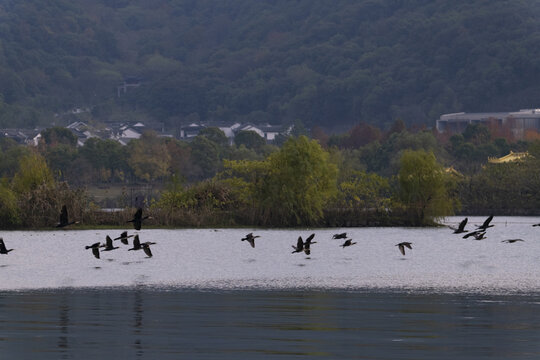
x,y
207,295
255,324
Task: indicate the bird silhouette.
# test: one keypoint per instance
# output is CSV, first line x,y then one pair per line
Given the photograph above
x,y
146,248
347,242
124,238
307,244
95,249
536,224
3,249
136,243
403,245
340,236
299,246
250,238
304,245
64,218
109,244
478,234
486,224
510,241
138,219
461,227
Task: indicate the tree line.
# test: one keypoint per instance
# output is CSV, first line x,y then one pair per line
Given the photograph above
x,y
365,176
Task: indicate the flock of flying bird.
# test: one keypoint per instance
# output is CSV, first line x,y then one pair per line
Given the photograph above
x,y
305,246
301,245
109,244
137,245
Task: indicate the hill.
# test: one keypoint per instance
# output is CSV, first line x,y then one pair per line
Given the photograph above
x,y
326,63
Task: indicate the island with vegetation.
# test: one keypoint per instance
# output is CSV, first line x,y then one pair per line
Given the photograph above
x,y
364,177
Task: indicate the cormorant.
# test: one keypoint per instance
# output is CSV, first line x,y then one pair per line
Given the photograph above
x,y
124,238
146,248
299,246
347,242
64,218
403,245
109,244
486,224
136,243
3,249
461,227
138,219
95,249
478,234
308,242
340,236
250,239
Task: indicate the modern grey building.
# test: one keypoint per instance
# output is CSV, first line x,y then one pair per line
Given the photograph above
x,y
518,122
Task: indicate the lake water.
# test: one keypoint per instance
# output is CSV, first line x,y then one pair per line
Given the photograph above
x,y
207,295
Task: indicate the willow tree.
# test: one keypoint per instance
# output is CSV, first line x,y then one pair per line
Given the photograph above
x,y
292,186
424,187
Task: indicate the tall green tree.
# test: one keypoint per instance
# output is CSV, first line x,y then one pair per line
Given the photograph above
x,y
148,157
424,187
33,172
293,185
250,139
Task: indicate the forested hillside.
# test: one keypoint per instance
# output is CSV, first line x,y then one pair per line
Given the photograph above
x,y
327,63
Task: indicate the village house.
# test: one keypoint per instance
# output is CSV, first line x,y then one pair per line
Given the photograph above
x,y
266,131
22,136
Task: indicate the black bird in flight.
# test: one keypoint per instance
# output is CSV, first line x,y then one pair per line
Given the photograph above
x,y
136,243
108,244
146,248
403,245
536,224
347,242
307,244
124,238
340,236
510,241
299,246
95,249
3,249
461,227
304,245
478,234
64,218
138,219
250,238
486,224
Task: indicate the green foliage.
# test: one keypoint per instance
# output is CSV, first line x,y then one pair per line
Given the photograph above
x,y
477,134
508,188
364,191
206,156
105,154
148,157
59,135
9,209
424,187
250,139
60,159
10,155
216,135
33,172
292,186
